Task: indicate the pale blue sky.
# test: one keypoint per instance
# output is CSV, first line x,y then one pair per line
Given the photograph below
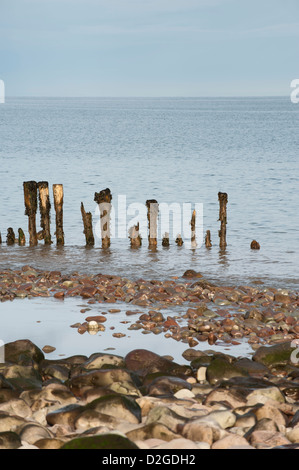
x,y
149,47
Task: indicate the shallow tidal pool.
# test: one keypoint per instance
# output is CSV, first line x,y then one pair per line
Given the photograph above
x,y
47,321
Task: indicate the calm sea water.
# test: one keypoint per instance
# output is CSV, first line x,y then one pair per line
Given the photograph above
x,y
173,150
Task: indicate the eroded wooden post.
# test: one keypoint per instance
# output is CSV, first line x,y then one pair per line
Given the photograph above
x,y
87,223
21,237
30,196
104,198
179,241
193,234
58,204
134,236
223,199
45,207
165,239
10,237
152,217
208,242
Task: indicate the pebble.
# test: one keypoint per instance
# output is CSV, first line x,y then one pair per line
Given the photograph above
x,y
92,325
96,318
48,349
201,374
184,394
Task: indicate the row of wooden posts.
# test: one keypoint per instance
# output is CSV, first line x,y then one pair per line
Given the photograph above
x,y
34,191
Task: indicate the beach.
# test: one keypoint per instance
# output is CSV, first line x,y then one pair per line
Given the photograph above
x,y
212,398
177,345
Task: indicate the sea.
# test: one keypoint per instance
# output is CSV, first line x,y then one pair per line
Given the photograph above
x,y
178,151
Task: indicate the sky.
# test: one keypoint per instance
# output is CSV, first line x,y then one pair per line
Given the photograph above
x,y
149,48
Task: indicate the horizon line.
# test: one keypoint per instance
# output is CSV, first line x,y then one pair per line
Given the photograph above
x,y
145,97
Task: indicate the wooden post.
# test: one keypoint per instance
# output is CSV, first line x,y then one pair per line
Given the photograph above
x,y
87,223
104,198
30,196
179,240
21,237
193,235
223,199
44,207
165,239
58,204
208,242
152,217
10,237
40,235
134,236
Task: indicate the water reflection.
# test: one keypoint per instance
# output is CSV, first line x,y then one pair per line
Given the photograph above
x,y
224,257
223,266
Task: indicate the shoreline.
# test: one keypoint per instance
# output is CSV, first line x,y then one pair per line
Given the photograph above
x,y
189,308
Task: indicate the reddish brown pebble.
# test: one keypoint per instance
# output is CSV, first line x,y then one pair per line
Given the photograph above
x,y
279,317
48,349
132,312
212,338
144,317
290,320
87,282
81,330
88,292
282,299
59,295
26,286
201,338
97,318
246,299
170,322
51,274
149,325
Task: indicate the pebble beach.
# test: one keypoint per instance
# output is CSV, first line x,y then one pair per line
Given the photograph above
x,y
145,400
149,282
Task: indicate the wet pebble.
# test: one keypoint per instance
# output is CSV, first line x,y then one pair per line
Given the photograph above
x,y
48,349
